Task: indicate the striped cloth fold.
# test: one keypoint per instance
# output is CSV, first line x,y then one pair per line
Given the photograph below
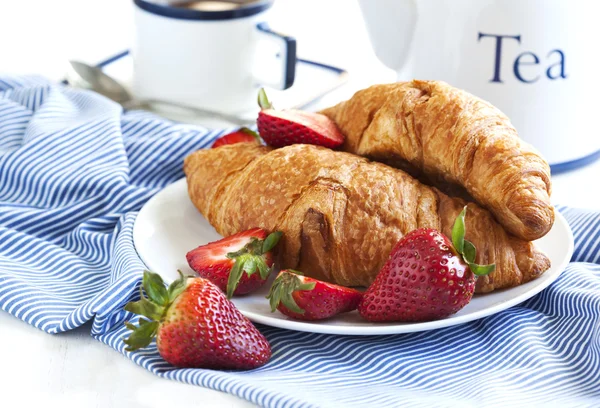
x,y
73,172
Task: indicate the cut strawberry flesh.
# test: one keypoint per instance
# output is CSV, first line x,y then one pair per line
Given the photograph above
x,y
232,138
287,127
218,250
314,121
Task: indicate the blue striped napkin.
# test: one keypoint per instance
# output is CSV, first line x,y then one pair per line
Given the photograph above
x,y
73,172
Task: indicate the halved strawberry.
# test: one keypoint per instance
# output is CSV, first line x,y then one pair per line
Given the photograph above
x,y
287,127
231,263
242,135
306,298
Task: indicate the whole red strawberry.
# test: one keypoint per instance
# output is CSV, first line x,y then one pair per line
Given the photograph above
x,y
241,135
238,264
287,127
425,278
305,298
195,326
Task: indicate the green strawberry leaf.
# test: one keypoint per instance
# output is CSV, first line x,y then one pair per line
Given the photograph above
x,y
263,269
469,252
141,336
288,301
482,270
234,276
145,308
177,286
271,241
274,295
251,133
130,326
250,262
155,288
458,231
263,101
466,248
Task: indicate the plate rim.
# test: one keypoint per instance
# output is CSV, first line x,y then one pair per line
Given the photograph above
x,y
387,329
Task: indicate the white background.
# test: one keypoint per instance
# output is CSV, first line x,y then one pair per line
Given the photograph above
x,y
39,36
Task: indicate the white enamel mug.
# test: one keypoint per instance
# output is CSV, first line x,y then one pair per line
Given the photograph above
x,y
536,60
214,60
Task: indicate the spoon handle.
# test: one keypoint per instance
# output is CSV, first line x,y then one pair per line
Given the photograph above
x,y
146,104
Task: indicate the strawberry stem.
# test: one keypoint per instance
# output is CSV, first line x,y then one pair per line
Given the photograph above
x,y
263,100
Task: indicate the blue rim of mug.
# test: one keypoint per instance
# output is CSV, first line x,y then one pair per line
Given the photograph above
x,y
245,10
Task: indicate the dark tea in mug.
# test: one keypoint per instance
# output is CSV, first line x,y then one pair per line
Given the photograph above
x,y
212,5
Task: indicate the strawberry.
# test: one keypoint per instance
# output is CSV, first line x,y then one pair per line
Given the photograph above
x,y
241,135
231,263
425,278
305,298
287,127
195,326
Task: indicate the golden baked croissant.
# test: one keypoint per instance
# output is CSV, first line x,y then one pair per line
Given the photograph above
x,y
446,136
341,214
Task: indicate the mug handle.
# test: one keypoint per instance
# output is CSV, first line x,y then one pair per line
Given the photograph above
x,y
287,55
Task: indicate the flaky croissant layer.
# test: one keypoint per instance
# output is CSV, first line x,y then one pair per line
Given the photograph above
x,y
341,214
447,136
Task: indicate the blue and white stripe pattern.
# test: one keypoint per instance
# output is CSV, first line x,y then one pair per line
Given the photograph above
x,y
73,173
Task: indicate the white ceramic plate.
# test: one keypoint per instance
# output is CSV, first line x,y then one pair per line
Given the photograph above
x,y
168,226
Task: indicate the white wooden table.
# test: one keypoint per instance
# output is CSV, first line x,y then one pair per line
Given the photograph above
x,y
38,36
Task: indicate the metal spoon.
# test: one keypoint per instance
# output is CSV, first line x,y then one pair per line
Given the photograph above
x,y
90,77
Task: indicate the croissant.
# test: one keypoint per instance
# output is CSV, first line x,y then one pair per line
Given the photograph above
x,y
448,137
341,214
